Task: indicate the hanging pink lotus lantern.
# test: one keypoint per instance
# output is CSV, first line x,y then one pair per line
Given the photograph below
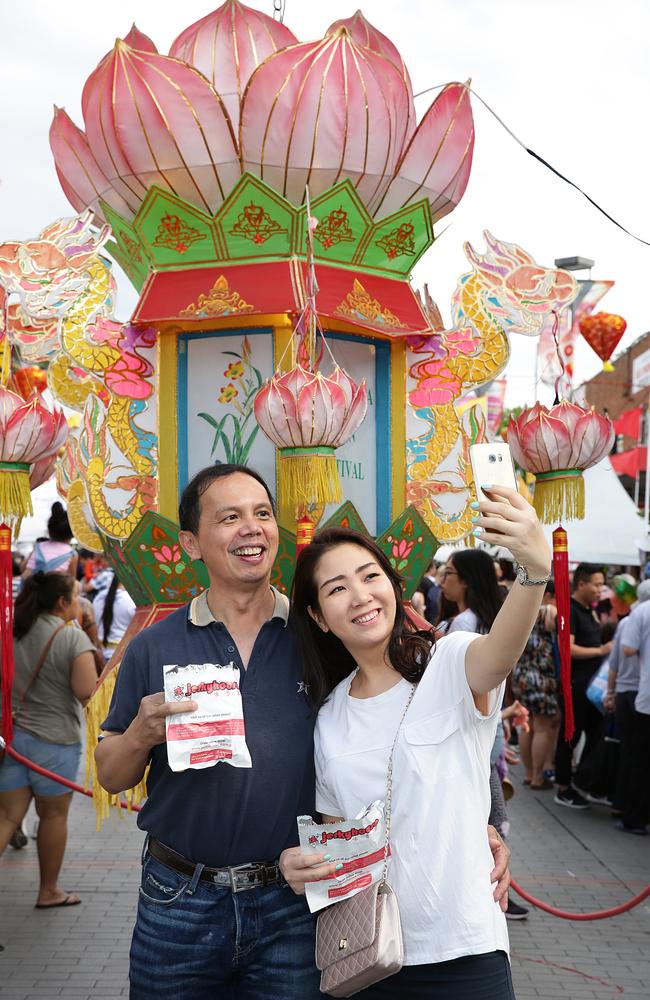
x,y
29,436
307,416
29,432
557,445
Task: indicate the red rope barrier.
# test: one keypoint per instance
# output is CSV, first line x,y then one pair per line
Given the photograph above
x,y
57,777
614,911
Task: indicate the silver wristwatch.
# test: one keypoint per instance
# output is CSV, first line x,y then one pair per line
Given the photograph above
x,y
525,580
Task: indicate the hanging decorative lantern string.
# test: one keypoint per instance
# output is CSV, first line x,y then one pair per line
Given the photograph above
x,y
307,414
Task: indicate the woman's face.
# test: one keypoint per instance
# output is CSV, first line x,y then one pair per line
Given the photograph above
x,y
452,586
356,599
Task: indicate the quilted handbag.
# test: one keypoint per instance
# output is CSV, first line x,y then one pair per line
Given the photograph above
x,y
359,940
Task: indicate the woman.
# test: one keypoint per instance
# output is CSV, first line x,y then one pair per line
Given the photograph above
x,y
54,554
534,684
114,610
471,583
55,676
361,662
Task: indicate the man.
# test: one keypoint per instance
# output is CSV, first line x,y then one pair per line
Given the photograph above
x,y
215,913
636,640
430,590
587,651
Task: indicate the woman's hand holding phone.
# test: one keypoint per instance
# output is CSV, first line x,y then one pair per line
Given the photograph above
x,y
505,518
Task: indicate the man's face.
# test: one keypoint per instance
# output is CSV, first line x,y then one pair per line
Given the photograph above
x,y
237,537
590,589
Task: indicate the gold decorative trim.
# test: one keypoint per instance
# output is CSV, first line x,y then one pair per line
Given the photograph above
x,y
219,301
359,304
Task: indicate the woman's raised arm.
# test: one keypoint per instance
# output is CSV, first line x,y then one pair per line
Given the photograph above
x,y
506,519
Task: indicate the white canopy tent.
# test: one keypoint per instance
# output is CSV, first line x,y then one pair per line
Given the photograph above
x,y
612,531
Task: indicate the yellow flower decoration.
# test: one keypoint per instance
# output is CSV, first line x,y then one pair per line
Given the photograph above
x,y
234,370
228,393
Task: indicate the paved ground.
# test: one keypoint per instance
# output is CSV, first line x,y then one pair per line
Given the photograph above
x,y
575,860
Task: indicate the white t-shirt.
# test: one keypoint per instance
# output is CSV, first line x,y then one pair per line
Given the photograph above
x,y
441,860
123,611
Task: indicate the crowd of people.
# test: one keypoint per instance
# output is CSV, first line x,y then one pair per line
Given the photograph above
x,y
346,700
605,762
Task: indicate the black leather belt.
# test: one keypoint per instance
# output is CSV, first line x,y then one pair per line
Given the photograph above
x,y
252,875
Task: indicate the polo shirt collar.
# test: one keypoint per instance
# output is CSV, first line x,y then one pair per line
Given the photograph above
x,y
199,610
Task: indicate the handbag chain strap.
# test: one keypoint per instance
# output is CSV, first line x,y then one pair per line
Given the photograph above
x,y
389,789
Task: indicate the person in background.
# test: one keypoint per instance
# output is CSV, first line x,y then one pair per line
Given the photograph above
x,y
636,641
587,651
508,575
88,624
55,676
54,554
114,609
430,589
622,689
534,684
17,566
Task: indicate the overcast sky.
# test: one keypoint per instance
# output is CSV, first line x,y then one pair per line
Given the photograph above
x,y
570,77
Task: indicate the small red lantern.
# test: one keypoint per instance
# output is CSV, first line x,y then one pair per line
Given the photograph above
x,y
602,331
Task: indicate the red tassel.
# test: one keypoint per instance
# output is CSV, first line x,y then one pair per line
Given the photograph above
x,y
6,632
563,600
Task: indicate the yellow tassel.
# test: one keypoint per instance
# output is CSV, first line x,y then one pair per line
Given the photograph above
x,y
96,712
608,366
560,499
15,495
307,475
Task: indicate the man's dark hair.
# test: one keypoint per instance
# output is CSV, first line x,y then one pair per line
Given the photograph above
x,y
584,572
189,508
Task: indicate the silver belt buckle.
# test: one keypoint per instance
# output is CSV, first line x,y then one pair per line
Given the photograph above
x,y
233,872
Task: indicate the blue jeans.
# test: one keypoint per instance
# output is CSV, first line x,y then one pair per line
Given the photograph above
x,y
197,941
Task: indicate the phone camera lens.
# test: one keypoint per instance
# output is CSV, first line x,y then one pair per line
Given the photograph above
x,y
492,458
501,458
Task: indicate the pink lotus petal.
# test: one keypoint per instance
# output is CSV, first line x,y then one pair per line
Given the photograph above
x,y
437,162
315,113
136,39
355,415
153,120
81,178
42,470
275,412
228,45
364,33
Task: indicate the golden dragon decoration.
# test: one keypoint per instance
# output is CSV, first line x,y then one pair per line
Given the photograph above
x,y
99,370
506,292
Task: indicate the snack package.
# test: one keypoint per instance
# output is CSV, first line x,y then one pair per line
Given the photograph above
x,y
356,843
215,731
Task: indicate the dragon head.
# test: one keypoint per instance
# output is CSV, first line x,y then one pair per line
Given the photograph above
x,y
519,292
48,273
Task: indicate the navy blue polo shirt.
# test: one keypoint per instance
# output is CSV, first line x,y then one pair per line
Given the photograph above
x,y
223,815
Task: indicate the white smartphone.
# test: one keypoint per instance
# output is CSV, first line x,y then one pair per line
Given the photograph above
x,y
492,465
